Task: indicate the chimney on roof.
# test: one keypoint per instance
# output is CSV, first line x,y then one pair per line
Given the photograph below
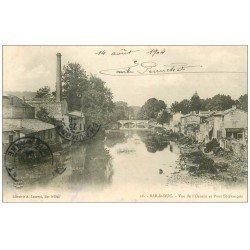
x,y
58,78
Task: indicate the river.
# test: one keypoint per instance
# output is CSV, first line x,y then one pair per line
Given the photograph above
x,y
125,161
126,165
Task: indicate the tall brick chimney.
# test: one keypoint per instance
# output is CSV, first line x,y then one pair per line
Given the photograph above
x,y
58,78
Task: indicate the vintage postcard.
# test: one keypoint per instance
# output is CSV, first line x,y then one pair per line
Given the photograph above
x,y
125,124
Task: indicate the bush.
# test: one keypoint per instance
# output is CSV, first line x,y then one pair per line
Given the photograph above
x,y
174,136
211,145
206,164
218,150
222,166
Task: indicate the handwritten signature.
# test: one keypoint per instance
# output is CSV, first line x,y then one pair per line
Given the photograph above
x,y
150,68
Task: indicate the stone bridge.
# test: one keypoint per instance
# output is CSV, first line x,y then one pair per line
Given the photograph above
x,y
133,124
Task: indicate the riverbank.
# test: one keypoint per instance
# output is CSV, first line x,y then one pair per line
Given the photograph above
x,y
200,163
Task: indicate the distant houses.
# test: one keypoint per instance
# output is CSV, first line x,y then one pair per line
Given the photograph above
x,y
175,122
224,126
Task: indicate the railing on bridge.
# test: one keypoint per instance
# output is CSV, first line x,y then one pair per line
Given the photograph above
x,y
133,124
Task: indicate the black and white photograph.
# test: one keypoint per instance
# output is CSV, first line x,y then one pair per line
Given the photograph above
x,y
125,123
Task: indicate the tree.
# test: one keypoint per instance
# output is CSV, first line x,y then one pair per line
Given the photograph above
x,y
121,111
151,108
75,83
87,93
43,92
97,101
134,110
195,103
242,102
219,102
183,107
163,117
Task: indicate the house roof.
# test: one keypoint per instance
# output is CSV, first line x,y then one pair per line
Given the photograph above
x,y
26,125
227,111
21,102
76,113
233,109
10,127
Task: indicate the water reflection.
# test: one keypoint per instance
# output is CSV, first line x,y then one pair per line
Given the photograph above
x,y
121,160
115,137
153,141
89,164
98,167
136,162
122,157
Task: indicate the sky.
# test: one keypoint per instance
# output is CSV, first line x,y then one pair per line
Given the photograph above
x,y
222,70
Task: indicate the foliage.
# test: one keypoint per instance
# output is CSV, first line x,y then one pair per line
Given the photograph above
x,y
43,92
183,107
88,94
242,102
133,111
43,115
195,102
218,102
75,82
211,145
151,108
120,111
163,117
205,164
97,101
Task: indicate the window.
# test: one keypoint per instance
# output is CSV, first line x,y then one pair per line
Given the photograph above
x,y
11,101
80,126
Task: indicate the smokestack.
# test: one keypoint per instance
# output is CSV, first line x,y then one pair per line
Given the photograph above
x,y
58,78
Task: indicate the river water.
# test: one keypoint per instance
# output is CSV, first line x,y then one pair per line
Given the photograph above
x,y
126,165
124,162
